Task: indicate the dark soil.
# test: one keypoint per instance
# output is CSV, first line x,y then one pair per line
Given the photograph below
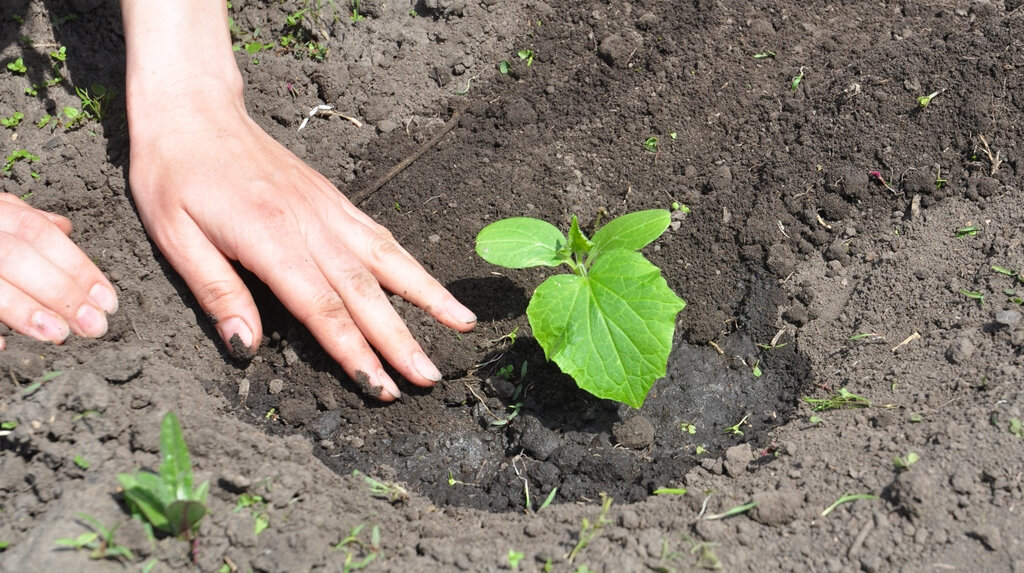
x,y
792,258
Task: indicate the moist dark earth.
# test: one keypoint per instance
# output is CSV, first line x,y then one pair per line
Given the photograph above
x,y
839,234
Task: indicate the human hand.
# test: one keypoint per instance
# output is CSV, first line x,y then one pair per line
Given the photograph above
x,y
48,287
212,187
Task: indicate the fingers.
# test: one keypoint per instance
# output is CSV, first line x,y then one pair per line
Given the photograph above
x,y
50,287
301,286
215,284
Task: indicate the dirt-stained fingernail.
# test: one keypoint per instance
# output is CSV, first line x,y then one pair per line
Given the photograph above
x,y
237,335
388,384
459,312
46,326
104,296
425,367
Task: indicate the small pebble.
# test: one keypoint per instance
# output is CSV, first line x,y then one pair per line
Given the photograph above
x,y
1008,317
275,386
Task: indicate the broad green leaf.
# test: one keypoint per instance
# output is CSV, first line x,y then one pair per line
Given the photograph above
x,y
521,242
143,501
632,231
176,469
610,330
183,515
578,242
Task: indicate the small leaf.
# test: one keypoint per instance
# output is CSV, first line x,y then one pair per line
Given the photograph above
x,y
521,242
611,330
183,516
578,242
144,501
633,231
176,469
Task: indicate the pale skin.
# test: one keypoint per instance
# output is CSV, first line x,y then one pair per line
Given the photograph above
x,y
212,188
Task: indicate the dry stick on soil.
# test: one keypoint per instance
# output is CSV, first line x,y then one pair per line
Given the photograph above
x,y
907,340
992,159
360,196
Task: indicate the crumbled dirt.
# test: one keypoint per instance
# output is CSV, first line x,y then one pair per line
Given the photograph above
x,y
793,259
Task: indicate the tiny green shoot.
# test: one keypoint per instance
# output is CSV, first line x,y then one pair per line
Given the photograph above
x,y
764,55
356,16
590,529
672,135
916,418
258,507
1016,428
514,557
547,500
846,498
978,296
17,66
383,489
968,231
13,120
38,383
904,462
732,511
794,84
527,56
735,430
100,540
700,450
923,101
8,425
839,401
60,54
688,428
82,462
814,419
670,491
359,553
651,144
167,501
939,181
503,66
44,121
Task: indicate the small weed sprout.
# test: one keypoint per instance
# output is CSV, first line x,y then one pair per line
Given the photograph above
x,y
923,101
840,401
382,489
60,55
968,231
527,56
100,540
651,145
732,511
688,428
735,430
794,84
167,501
764,55
16,156
17,66
846,498
258,507
356,16
939,181
359,553
589,530
514,557
877,176
903,463
12,121
975,295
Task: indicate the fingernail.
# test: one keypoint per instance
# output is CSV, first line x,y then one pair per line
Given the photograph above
x,y
459,312
46,326
91,320
425,367
104,296
237,335
388,384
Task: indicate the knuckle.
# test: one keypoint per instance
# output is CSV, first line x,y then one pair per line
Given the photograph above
x,y
30,225
216,294
383,249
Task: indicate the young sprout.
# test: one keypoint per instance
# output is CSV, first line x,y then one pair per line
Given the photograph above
x,y
877,175
503,67
904,462
17,66
651,144
765,54
526,55
939,181
795,82
980,297
968,231
923,101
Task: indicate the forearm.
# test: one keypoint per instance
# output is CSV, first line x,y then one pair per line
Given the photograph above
x,y
178,51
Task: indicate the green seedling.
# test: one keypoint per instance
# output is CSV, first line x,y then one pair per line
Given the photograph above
x,y
100,541
700,450
840,401
688,428
814,419
255,47
295,18
60,54
358,553
868,336
735,430
17,66
764,55
527,56
877,176
732,511
923,101
670,491
916,418
382,489
589,530
38,383
32,91
939,181
610,324
95,104
756,369
846,498
356,16
258,507
1016,428
4,544
968,231
980,297
547,500
44,121
651,144
82,462
506,371
513,412
167,501
514,557
672,135
8,425
503,66
74,116
13,120
1019,275
904,462
794,83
